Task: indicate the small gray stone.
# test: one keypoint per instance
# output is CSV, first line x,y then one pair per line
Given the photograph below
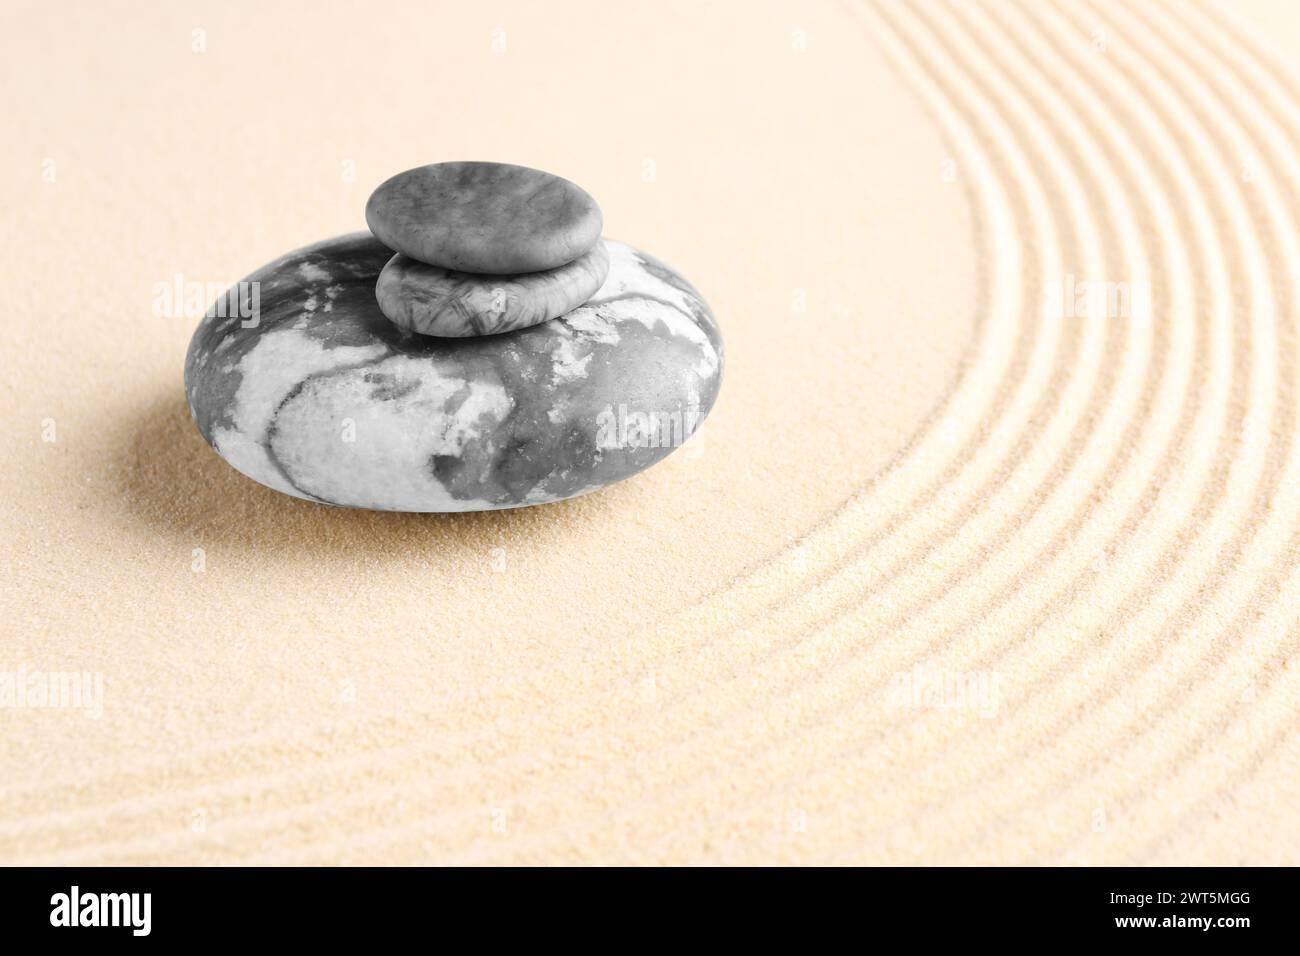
x,y
492,218
432,300
320,396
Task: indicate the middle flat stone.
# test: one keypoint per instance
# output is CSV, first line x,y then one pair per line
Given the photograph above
x,y
436,301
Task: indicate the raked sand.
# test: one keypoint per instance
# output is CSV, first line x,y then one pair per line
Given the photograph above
x,y
968,565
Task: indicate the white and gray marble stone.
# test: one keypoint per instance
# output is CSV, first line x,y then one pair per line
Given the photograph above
x,y
322,397
492,218
432,300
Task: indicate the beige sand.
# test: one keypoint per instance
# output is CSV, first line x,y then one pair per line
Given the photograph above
x,y
948,577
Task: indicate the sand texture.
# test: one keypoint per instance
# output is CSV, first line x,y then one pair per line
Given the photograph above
x,y
968,565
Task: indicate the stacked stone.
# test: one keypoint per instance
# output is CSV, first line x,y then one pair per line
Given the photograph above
x,y
484,248
505,356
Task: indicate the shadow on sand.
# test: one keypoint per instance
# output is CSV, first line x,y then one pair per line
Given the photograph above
x,y
178,486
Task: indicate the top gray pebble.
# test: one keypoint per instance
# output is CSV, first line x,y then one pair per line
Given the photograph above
x,y
492,218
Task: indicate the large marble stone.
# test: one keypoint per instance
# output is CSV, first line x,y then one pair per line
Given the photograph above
x,y
322,397
432,300
492,218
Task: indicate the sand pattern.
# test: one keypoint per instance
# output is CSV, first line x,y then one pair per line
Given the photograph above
x,y
1060,627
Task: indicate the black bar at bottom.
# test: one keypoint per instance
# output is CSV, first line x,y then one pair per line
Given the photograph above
x,y
338,906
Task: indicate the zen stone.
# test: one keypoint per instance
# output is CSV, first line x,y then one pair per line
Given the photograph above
x,y
320,396
432,300
491,218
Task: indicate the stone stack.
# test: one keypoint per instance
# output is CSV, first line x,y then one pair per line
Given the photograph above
x,y
484,248
484,348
